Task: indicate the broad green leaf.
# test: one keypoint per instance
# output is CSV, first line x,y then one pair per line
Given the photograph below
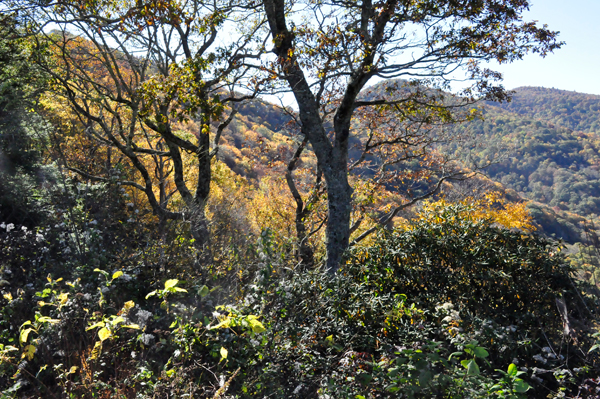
x,y
117,275
481,352
425,377
224,353
203,291
455,354
104,334
118,320
521,386
364,378
471,366
512,370
171,283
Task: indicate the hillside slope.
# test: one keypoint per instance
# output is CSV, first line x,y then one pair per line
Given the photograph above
x,y
544,143
568,109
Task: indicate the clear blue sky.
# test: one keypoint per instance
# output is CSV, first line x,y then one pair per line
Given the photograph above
x,y
576,66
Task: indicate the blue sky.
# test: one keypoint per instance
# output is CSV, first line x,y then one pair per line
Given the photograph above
x,y
576,66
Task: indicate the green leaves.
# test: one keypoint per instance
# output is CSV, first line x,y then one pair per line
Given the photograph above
x,y
109,325
234,319
170,288
480,352
510,386
521,386
471,366
203,291
106,275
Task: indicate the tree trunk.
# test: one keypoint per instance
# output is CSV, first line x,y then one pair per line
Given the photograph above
x,y
200,230
200,233
339,202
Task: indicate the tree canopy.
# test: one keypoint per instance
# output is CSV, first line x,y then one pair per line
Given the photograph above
x,y
327,53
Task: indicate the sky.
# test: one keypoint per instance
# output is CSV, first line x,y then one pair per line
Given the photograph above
x,y
574,67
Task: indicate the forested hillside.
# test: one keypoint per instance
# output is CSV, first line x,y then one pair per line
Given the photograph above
x,y
558,169
554,166
165,232
567,109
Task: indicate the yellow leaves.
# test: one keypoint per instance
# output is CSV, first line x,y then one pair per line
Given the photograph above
x,y
95,325
171,283
507,214
127,306
256,325
233,319
104,333
63,298
224,323
96,351
28,352
492,207
223,353
24,335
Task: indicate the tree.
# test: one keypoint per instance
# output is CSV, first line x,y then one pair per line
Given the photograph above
x,y
137,76
22,130
327,52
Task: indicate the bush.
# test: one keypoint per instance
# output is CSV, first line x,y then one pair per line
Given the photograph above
x,y
450,307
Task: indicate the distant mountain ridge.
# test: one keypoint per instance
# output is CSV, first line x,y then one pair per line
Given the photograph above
x,y
569,109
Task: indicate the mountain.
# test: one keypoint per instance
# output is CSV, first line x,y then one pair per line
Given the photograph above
x,y
544,162
568,109
545,145
548,150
